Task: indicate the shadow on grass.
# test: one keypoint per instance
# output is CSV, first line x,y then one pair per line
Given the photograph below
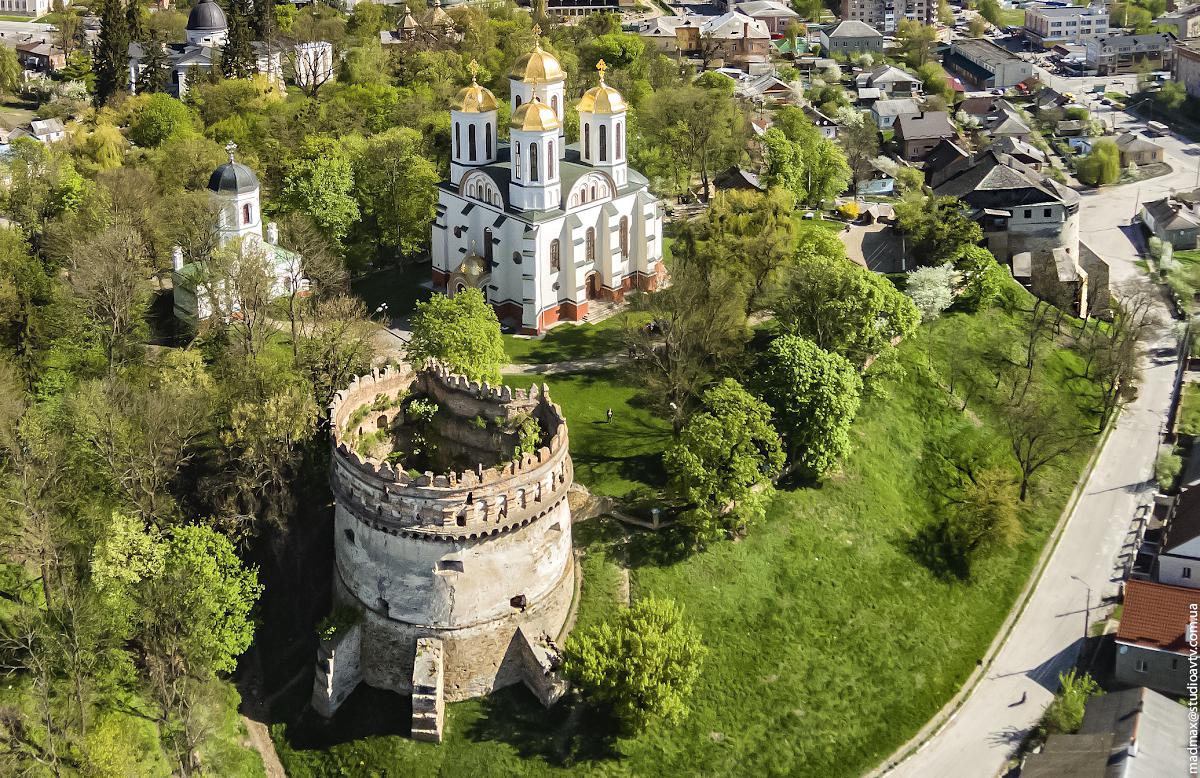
x,y
567,734
933,548
367,712
660,548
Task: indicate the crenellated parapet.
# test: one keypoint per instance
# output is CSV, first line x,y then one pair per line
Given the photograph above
x,y
457,504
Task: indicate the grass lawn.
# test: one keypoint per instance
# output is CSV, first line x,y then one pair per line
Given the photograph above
x,y
1012,17
1189,410
830,641
609,458
572,341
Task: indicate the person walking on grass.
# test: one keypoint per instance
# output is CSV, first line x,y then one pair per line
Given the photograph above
x,y
610,415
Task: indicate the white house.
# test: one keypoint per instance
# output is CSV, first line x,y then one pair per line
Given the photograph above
x,y
547,232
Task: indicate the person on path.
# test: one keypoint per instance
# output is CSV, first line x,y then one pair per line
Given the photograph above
x,y
610,415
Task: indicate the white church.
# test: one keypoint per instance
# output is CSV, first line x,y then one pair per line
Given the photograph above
x,y
235,194
543,229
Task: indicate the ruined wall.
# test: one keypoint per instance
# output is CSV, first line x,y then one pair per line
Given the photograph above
x,y
469,558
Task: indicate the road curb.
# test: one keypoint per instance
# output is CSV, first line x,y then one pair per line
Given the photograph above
x,y
950,709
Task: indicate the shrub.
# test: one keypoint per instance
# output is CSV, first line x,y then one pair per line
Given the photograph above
x,y
641,664
1064,716
932,289
1102,166
848,210
1166,469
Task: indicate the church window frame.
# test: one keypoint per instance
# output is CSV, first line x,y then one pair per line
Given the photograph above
x,y
550,161
603,143
516,103
487,246
590,245
517,161
471,142
587,140
554,105
617,136
247,213
533,162
487,139
458,140
555,255
624,237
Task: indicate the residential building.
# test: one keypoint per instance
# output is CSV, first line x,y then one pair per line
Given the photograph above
x,y
44,131
851,37
1127,53
766,87
1138,150
732,38
1021,151
580,8
313,63
544,231
890,80
985,65
1178,560
41,56
1030,222
1006,123
1047,25
738,178
941,157
826,126
775,15
433,25
1186,67
918,134
1172,222
1153,638
1184,21
886,15
1130,733
885,112
878,183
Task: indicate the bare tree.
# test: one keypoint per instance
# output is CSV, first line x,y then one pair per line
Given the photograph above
x,y
1040,432
109,280
236,286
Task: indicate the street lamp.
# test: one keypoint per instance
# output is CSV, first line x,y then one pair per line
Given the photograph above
x,y
1087,607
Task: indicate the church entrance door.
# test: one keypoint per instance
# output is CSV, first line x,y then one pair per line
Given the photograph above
x,y
592,286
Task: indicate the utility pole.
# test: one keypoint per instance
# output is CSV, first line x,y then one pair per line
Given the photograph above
x,y
1087,607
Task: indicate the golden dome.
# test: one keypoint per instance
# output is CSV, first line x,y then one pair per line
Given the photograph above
x,y
535,116
538,66
474,98
473,266
602,99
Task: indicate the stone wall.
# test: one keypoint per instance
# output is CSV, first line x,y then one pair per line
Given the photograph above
x,y
338,669
473,559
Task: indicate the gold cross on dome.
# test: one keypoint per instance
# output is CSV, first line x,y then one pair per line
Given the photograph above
x,y
537,34
473,69
601,66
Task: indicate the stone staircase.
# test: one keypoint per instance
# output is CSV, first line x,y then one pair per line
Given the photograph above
x,y
598,310
428,702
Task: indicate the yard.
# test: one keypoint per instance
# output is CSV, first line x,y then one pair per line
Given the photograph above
x,y
573,341
831,641
1189,411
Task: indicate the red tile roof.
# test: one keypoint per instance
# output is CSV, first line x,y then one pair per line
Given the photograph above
x,y
1156,615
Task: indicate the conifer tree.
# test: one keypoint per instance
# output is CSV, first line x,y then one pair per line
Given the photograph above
x,y
264,19
136,18
156,69
112,51
237,56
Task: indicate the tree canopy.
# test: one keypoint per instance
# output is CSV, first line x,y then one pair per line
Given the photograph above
x,y
460,331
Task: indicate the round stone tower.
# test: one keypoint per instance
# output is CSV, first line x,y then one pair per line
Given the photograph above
x,y
452,539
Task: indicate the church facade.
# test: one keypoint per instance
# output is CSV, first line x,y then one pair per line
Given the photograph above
x,y
544,229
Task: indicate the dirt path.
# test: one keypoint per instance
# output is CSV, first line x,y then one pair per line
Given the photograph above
x,y
260,738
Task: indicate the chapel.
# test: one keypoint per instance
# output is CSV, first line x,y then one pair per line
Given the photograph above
x,y
546,230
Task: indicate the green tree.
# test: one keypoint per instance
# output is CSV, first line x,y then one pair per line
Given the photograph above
x,y
939,227
237,55
462,332
800,159
10,71
699,130
845,308
983,278
932,289
112,51
724,451
815,396
1171,95
641,664
984,516
160,118
263,20
79,68
396,188
934,81
990,10
859,139
754,235
319,181
1101,166
916,42
156,72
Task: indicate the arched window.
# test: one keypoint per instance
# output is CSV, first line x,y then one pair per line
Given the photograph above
x,y
487,140
457,140
590,245
487,246
247,213
550,161
587,141
554,104
471,141
593,197
624,236
533,166
516,103
617,142
603,143
517,159
555,255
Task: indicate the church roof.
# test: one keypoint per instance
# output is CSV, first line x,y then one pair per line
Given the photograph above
x,y
233,178
538,67
206,15
535,116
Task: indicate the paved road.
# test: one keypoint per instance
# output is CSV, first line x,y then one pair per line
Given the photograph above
x,y
1048,635
20,29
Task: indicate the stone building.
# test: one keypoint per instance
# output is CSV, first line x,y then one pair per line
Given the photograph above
x,y
851,37
886,15
982,63
1047,25
455,556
